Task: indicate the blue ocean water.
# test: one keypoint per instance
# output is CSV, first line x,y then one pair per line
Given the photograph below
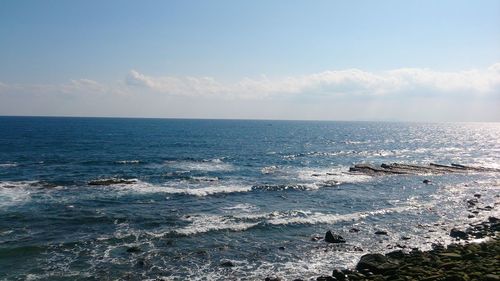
x,y
202,193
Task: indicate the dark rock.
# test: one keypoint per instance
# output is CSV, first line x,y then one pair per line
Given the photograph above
x,y
493,220
381,232
282,248
477,195
273,279
339,275
353,230
395,255
111,181
471,216
325,278
456,233
376,263
227,264
427,181
133,249
472,202
330,237
405,238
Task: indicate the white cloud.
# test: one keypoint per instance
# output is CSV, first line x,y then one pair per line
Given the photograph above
x,y
405,81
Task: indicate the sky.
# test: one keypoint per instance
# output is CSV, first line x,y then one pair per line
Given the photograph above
x,y
422,60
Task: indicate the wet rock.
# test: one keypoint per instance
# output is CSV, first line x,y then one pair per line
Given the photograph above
x,y
471,216
381,232
331,237
227,264
375,263
273,279
111,181
353,230
282,248
493,220
459,234
427,181
405,238
339,275
477,195
134,249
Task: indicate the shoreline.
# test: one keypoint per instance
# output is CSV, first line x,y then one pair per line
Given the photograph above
x,y
475,256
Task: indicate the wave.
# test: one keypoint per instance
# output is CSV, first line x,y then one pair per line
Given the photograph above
x,y
144,187
8,165
206,223
15,193
210,165
201,223
128,162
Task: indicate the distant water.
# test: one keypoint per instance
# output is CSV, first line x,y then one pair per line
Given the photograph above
x,y
205,192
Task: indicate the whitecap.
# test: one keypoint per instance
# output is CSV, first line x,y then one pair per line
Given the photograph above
x,y
214,165
128,162
15,193
8,165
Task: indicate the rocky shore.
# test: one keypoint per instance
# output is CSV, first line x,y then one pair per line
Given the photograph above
x,y
474,256
466,260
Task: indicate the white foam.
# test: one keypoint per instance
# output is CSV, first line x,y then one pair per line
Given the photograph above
x,y
205,223
128,162
201,223
143,187
337,175
14,193
8,165
214,165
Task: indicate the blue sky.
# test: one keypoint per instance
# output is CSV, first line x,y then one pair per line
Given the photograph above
x,y
251,59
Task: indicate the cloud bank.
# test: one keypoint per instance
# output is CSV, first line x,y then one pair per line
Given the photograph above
x,y
351,94
350,82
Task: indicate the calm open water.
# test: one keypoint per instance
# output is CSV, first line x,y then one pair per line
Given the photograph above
x,y
207,192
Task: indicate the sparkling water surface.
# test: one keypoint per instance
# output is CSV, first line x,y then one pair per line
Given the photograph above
x,y
206,192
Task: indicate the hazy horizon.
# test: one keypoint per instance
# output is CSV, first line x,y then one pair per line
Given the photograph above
x,y
335,61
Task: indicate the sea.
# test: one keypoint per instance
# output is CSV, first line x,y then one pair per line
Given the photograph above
x,y
180,199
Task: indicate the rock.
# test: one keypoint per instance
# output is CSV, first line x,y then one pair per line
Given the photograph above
x,y
133,249
353,230
376,263
455,233
273,279
282,248
471,216
427,181
493,220
405,238
330,237
491,277
111,181
381,232
325,278
227,264
477,195
339,275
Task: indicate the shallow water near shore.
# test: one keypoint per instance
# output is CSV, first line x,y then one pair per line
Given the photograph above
x,y
183,197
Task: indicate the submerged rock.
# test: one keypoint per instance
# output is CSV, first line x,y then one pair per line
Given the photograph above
x,y
134,249
331,237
